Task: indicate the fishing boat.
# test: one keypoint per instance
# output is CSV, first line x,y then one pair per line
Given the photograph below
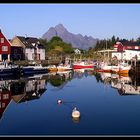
x,y
105,67
65,67
122,68
82,65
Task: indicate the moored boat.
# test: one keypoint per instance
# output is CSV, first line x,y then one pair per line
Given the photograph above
x,y
34,69
65,67
122,68
8,69
52,68
105,67
83,64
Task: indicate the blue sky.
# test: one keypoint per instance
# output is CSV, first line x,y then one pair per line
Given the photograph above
x,y
96,20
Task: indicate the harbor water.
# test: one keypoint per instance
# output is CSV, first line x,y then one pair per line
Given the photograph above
x,y
108,104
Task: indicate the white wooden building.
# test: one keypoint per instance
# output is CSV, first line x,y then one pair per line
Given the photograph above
x,y
32,48
126,50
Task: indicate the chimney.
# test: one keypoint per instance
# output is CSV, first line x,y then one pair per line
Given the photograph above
x,y
0,30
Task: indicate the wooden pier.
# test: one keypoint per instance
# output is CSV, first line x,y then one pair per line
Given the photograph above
x,y
135,67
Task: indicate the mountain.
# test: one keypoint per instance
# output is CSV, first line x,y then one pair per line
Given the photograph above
x,y
77,40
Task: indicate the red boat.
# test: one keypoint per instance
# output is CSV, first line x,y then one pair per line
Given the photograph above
x,y
81,65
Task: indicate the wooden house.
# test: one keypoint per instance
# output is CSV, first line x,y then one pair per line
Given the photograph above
x,y
5,48
27,48
126,50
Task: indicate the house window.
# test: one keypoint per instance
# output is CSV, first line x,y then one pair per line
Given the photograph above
x,y
4,48
5,96
2,40
3,105
15,51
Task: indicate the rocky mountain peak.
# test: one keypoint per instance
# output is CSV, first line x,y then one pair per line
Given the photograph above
x,y
77,40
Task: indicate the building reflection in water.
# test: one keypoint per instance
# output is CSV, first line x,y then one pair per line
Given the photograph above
x,y
5,97
21,90
30,88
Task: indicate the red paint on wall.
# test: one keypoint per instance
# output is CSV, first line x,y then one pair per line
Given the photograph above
x,y
5,43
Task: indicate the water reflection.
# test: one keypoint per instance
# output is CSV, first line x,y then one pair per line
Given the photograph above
x,y
29,88
80,73
20,91
124,84
60,79
5,97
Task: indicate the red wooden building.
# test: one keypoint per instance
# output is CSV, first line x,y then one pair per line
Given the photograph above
x,y
5,48
126,45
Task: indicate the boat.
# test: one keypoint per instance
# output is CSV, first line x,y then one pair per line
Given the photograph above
x,y
34,69
122,68
52,68
8,69
65,67
83,64
105,67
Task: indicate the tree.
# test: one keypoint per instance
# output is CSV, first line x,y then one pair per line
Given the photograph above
x,y
56,39
138,40
44,43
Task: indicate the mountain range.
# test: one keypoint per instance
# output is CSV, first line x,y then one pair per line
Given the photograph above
x,y
77,40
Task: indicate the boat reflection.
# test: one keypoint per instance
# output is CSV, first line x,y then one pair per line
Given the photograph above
x,y
80,73
124,84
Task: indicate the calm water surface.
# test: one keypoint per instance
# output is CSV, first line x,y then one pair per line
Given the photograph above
x,y
109,104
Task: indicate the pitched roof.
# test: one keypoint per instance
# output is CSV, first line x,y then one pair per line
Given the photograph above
x,y
30,41
129,43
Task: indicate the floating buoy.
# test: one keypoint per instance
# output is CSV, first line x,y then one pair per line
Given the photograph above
x,y
75,113
59,101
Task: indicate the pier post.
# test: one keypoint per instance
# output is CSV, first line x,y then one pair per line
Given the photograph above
x,y
8,57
